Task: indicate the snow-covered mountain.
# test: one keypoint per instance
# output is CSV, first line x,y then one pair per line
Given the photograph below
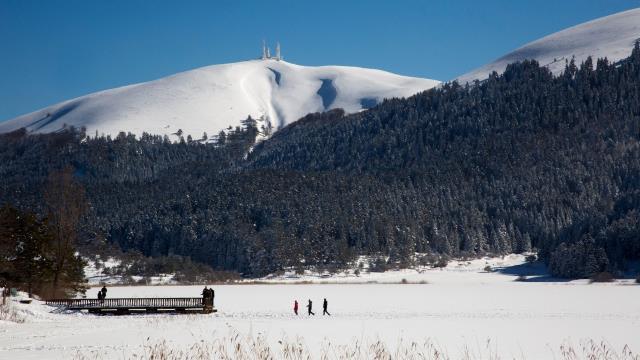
x,y
212,98
610,36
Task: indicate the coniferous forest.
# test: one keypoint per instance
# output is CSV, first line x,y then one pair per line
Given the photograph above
x,y
523,161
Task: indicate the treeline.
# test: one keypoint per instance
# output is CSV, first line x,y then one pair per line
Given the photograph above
x,y
135,268
522,161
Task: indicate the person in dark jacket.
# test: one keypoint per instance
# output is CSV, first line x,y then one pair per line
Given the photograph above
x,y
295,306
310,308
99,296
325,304
104,292
212,295
205,295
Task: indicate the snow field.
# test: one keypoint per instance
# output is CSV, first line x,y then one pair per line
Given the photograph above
x,y
461,310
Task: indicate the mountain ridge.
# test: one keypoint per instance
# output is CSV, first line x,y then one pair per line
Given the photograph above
x,y
212,98
610,36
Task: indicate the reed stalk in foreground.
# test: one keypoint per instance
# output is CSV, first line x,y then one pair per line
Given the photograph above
x,y
236,346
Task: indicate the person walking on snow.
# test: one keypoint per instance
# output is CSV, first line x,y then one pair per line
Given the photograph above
x,y
325,304
295,306
310,308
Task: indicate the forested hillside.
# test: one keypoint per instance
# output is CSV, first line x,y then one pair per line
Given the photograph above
x,y
522,161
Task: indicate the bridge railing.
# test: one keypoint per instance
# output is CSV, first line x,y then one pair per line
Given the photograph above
x,y
128,303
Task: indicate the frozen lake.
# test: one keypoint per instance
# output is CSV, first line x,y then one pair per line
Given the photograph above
x,y
460,311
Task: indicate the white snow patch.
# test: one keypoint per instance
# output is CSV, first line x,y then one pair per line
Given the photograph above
x,y
611,36
98,272
455,271
212,98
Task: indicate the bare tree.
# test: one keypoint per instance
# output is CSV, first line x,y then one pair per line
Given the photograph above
x,y
66,204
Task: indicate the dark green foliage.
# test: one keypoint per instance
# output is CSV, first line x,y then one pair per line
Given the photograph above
x,y
433,260
29,256
26,257
580,260
520,161
604,276
378,264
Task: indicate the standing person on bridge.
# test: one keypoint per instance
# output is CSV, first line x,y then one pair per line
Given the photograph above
x,y
295,306
325,304
104,291
212,295
310,308
205,295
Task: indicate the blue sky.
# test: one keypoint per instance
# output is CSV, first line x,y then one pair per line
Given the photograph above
x,y
55,50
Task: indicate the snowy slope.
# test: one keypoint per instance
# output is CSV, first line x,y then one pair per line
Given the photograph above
x,y
611,36
212,98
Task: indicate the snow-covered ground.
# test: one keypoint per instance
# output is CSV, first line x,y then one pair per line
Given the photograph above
x,y
504,268
99,272
610,36
460,308
212,98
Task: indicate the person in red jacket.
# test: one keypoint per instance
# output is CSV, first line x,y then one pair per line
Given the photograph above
x,y
295,306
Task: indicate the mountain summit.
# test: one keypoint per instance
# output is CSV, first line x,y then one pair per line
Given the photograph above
x,y
611,36
213,98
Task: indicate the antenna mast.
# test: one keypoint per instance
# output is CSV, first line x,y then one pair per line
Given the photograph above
x,y
264,51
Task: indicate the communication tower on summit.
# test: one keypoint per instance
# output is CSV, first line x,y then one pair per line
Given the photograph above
x,y
266,52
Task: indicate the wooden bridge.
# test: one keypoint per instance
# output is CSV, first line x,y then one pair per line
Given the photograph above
x,y
123,306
